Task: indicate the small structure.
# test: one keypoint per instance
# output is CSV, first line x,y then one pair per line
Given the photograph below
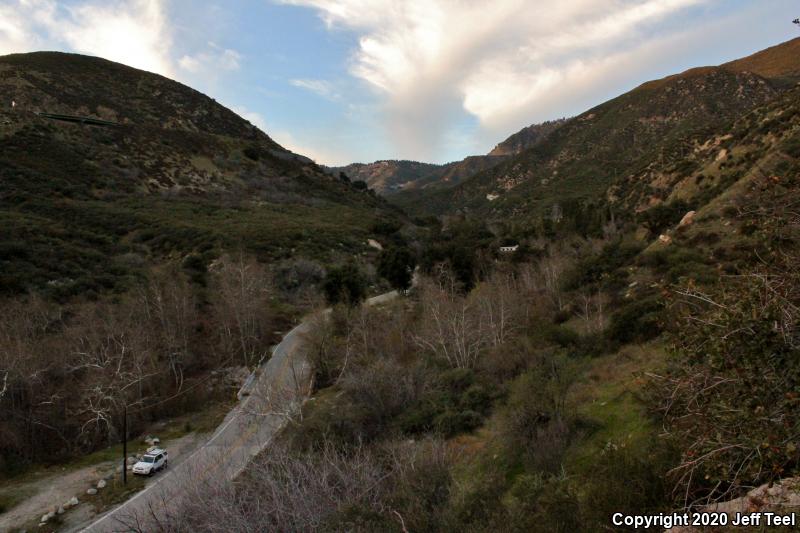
x,y
492,197
509,249
13,104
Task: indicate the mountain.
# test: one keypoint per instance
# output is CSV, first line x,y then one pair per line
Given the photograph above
x,y
526,138
386,177
627,152
157,171
390,177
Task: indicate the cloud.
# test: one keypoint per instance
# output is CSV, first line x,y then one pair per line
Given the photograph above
x,y
319,87
211,61
433,60
133,32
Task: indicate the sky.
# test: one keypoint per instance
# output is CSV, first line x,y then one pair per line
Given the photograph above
x,y
345,81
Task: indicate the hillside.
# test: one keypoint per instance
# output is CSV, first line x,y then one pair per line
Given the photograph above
x,y
603,155
83,207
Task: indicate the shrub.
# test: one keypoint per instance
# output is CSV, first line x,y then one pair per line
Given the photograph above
x,y
396,265
539,502
534,422
638,321
664,216
628,478
345,284
730,396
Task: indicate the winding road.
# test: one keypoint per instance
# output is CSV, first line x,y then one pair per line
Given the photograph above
x,y
273,392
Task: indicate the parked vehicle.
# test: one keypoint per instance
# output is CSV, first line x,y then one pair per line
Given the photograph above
x,y
154,460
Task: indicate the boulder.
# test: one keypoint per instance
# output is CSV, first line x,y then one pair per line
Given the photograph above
x,y
60,510
665,239
45,518
688,219
101,484
74,501
92,491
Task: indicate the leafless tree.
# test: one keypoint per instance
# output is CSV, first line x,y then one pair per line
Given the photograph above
x,y
242,291
451,328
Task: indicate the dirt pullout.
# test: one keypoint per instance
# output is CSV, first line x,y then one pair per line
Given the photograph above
x,y
46,493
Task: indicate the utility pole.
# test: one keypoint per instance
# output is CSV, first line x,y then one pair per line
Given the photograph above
x,y
125,444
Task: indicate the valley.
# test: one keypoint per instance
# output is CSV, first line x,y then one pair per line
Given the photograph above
x,y
598,316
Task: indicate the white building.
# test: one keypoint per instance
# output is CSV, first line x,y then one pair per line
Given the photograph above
x,y
509,249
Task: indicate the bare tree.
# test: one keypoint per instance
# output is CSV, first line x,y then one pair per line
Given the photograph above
x,y
241,298
591,309
451,329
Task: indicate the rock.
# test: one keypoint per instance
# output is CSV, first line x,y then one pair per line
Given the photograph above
x,y
131,460
101,484
74,501
60,510
688,219
92,491
775,490
45,518
665,239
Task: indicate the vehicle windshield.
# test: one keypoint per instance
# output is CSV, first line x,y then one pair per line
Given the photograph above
x,y
148,459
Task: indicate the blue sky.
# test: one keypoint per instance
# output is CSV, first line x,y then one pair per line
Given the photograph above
x,y
433,80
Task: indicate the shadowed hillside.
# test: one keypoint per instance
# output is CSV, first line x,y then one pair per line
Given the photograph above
x,y
84,207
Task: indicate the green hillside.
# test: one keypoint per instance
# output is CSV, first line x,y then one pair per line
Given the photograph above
x,y
84,207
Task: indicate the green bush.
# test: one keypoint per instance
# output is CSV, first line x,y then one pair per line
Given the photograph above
x,y
629,478
538,502
637,321
663,216
593,269
345,284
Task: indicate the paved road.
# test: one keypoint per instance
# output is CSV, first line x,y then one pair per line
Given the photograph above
x,y
276,389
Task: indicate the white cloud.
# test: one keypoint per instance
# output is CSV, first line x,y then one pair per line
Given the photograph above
x,y
211,61
320,87
434,59
133,32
